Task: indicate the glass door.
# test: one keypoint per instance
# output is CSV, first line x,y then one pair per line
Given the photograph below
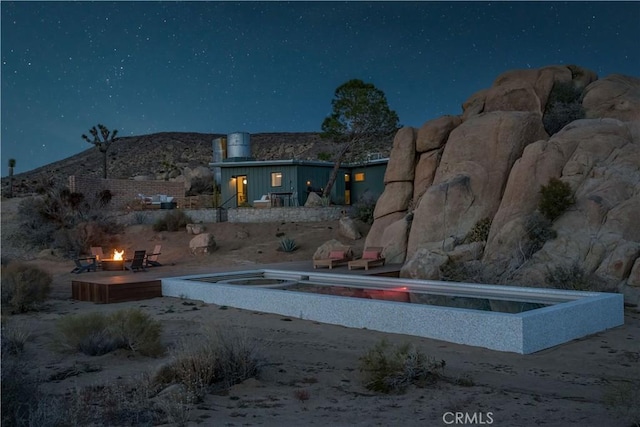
x,y
241,190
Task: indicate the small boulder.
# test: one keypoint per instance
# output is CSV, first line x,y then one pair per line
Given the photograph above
x,y
349,229
202,244
323,251
196,228
313,201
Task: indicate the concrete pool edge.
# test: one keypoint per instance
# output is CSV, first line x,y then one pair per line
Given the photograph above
x,y
583,314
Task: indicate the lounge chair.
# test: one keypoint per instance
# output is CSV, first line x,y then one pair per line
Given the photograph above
x,y
338,256
152,259
263,202
371,257
83,263
137,263
96,251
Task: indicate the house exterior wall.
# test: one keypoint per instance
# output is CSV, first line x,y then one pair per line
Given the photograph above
x,y
373,182
297,178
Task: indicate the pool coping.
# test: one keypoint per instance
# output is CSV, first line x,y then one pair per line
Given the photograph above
x,y
581,314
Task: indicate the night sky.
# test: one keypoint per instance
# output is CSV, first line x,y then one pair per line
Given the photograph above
x,y
222,67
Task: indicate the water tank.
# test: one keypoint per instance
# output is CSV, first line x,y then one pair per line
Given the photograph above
x,y
238,145
219,154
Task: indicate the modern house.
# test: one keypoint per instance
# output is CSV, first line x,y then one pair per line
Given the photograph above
x,y
243,180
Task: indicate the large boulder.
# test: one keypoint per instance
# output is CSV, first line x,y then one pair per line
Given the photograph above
x,y
403,156
395,198
524,90
434,133
424,264
192,175
473,171
425,172
376,232
313,201
598,159
614,96
394,241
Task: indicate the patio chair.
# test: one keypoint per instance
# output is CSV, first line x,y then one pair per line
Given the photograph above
x,y
152,259
371,257
83,263
96,251
338,256
137,263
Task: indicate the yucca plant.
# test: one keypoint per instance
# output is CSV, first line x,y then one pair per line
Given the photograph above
x,y
288,245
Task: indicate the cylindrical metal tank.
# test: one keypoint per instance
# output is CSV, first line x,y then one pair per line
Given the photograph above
x,y
219,154
238,145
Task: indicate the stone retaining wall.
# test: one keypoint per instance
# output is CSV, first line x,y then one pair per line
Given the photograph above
x,y
245,215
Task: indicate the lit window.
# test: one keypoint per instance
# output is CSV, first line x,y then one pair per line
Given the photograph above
x,y
359,176
276,179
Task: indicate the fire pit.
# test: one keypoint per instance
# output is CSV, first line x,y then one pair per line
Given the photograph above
x,y
115,263
112,264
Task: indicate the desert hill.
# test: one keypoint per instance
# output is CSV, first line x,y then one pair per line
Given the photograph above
x,y
166,155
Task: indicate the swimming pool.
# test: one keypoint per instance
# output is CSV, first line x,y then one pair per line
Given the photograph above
x,y
504,318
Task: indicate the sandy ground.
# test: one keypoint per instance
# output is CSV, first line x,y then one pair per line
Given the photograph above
x,y
561,386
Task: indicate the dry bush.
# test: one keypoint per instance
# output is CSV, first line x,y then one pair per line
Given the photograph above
x,y
390,369
137,331
24,287
216,361
555,198
95,334
174,220
13,339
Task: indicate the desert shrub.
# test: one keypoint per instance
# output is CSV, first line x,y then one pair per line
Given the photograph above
x,y
137,331
13,340
24,287
480,231
538,230
572,277
563,106
390,369
95,334
173,220
556,197
218,360
139,218
51,219
364,207
18,392
288,245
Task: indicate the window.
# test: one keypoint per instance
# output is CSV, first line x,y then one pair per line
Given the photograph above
x,y
276,179
359,176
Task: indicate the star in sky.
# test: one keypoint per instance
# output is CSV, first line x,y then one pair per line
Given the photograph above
x,y
221,67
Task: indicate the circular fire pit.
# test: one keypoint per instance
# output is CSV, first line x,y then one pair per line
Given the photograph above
x,y
112,264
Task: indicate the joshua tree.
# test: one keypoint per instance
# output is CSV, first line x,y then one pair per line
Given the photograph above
x,y
12,164
102,139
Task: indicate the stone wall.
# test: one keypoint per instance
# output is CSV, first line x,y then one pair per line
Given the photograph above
x,y
125,190
244,215
285,214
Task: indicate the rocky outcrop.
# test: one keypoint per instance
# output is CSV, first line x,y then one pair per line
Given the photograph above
x,y
471,175
615,97
490,164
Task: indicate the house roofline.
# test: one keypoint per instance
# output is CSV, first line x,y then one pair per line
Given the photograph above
x,y
241,163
